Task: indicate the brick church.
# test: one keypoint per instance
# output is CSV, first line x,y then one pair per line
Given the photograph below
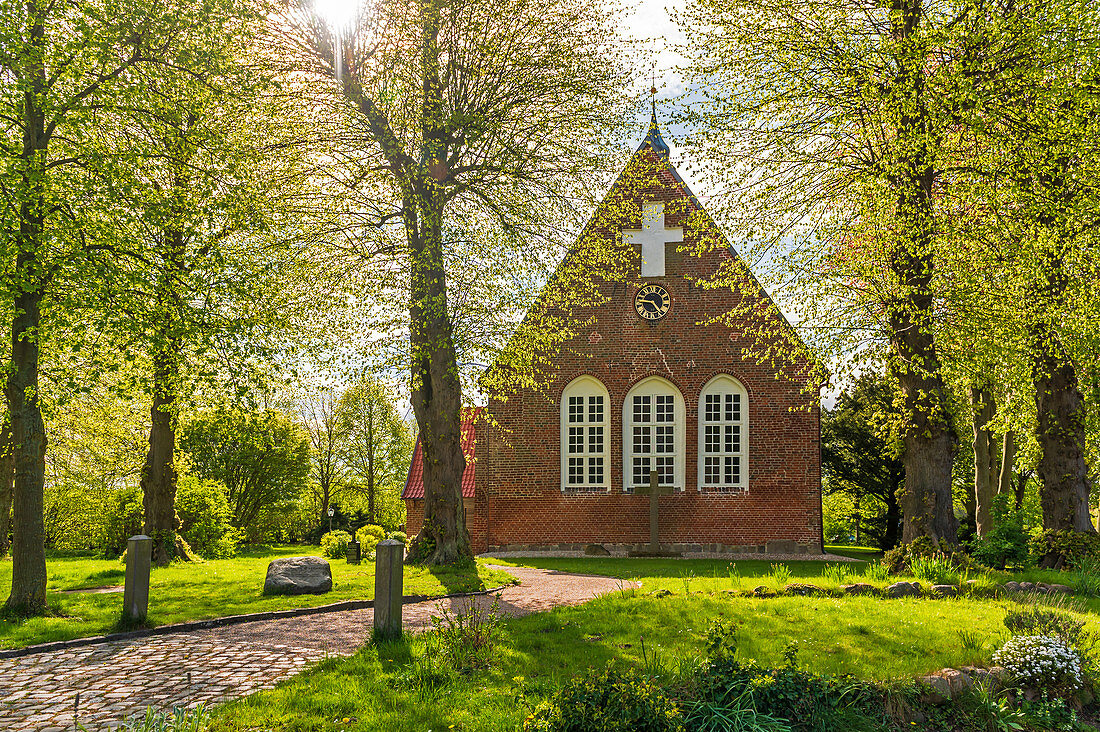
x,y
649,382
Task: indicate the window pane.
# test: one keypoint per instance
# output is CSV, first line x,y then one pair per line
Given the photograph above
x,y
595,439
712,438
664,408
642,408
576,409
733,408
595,409
641,470
642,440
576,440
713,410
712,470
595,471
664,440
665,471
733,471
576,471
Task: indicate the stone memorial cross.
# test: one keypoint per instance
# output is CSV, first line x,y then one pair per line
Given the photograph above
x,y
654,491
652,238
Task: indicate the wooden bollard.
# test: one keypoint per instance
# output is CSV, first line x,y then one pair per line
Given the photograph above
x,y
135,595
389,570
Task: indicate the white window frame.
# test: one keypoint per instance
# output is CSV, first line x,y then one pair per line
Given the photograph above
x,y
654,386
586,388
723,384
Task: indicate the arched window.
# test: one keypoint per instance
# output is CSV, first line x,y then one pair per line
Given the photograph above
x,y
653,434
585,408
723,435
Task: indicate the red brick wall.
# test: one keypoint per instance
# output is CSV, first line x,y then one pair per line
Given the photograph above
x,y
519,466
475,520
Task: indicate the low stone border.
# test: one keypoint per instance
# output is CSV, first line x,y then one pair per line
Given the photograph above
x,y
194,625
896,590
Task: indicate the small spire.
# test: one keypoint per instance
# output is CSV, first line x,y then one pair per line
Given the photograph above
x,y
653,138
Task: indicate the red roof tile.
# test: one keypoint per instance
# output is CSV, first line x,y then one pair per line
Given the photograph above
x,y
414,486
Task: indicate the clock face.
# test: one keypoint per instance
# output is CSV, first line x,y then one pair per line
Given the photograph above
x,y
652,302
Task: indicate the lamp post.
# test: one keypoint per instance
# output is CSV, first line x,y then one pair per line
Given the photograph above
x,y
331,511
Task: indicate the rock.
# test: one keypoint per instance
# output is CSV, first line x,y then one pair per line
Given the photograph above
x,y
763,591
939,690
798,588
782,546
1011,587
1027,586
596,550
298,576
945,590
859,588
660,592
1061,589
903,589
946,684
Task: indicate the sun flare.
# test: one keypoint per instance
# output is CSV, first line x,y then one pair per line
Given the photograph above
x,y
337,13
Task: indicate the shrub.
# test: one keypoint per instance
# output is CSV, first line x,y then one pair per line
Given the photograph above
x,y
204,512
935,570
876,572
1006,543
334,544
124,518
899,560
612,700
369,535
1064,549
1088,576
468,637
400,536
1041,661
838,573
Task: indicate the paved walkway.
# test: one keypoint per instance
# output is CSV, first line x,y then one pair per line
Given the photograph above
x,y
38,693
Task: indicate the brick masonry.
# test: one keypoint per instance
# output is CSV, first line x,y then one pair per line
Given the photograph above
x,y
518,500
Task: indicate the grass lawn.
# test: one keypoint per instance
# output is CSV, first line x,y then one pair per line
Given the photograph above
x,y
377,689
867,553
209,589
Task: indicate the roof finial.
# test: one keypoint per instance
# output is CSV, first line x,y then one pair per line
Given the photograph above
x,y
653,137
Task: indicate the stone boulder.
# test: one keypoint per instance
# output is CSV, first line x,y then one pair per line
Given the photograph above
x,y
763,591
1011,587
298,576
945,590
596,550
859,588
804,590
1061,589
903,589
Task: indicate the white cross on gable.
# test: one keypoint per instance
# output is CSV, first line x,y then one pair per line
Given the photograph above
x,y
653,237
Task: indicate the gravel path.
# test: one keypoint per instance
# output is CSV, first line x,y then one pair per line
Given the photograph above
x,y
38,693
731,556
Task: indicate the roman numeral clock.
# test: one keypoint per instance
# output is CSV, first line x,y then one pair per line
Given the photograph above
x,y
652,302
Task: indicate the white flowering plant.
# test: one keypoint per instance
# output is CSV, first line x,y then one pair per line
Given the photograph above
x,y
1041,662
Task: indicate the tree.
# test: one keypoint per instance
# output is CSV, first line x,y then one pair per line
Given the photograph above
x,y
63,69
202,228
320,414
261,457
860,454
469,121
377,445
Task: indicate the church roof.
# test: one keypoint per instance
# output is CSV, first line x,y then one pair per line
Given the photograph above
x,y
414,484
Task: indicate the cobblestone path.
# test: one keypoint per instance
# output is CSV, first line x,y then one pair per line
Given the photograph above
x,y
38,693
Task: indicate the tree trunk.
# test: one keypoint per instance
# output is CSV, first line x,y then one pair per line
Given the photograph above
x,y
893,519
371,507
984,410
929,440
7,477
1063,484
1008,462
28,580
857,519
158,476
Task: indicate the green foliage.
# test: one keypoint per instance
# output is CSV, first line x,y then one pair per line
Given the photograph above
x,y
804,700
860,461
990,711
262,458
1066,549
1051,714
936,570
839,574
123,518
781,575
468,637
369,535
900,559
179,719
334,544
205,515
876,572
611,700
1006,544
400,536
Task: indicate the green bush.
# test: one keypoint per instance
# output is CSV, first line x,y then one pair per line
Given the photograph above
x,y
400,536
935,570
612,700
369,535
899,560
1006,543
334,544
204,513
1064,549
124,517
